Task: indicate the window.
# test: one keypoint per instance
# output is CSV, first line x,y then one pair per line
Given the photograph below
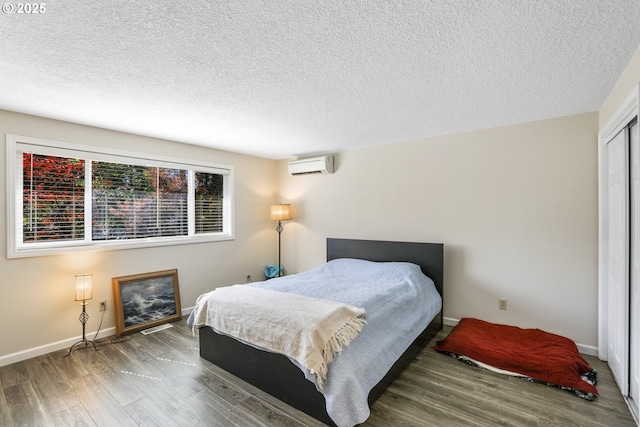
x,y
66,198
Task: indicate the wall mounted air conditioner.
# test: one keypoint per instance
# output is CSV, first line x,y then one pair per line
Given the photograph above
x,y
320,164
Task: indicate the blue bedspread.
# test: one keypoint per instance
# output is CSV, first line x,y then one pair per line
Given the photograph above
x,y
400,301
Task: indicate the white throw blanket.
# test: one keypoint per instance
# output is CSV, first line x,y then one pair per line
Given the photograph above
x,y
309,330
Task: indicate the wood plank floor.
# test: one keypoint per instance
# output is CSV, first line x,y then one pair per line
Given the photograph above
x,y
160,380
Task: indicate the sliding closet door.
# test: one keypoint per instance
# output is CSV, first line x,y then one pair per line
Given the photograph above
x,y
634,306
618,259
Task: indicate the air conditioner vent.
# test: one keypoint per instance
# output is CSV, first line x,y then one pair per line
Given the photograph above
x,y
311,165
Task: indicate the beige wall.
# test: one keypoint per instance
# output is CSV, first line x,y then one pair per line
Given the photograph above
x,y
36,294
515,206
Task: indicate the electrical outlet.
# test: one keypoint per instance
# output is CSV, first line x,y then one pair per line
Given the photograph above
x,y
103,305
502,303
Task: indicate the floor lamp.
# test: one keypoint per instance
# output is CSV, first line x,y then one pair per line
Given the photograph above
x,y
280,213
83,293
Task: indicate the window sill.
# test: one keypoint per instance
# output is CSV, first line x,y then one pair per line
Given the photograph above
x,y
70,247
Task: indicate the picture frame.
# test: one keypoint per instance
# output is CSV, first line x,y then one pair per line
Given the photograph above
x,y
146,300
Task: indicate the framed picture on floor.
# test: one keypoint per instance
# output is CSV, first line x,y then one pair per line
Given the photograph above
x,y
146,300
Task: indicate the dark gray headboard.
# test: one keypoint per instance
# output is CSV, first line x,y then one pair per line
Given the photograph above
x,y
429,256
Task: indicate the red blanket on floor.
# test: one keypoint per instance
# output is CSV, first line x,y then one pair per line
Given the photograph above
x,y
532,353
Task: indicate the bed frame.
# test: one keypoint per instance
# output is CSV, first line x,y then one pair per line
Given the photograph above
x,y
276,375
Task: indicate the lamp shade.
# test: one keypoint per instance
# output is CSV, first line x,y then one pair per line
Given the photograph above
x,y
280,212
83,287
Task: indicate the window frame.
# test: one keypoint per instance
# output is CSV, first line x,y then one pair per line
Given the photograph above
x,y
16,248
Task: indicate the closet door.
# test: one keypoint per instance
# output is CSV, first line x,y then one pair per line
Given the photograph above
x,y
618,259
634,306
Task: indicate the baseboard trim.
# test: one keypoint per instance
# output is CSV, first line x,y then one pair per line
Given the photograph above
x,y
450,321
584,349
51,347
59,345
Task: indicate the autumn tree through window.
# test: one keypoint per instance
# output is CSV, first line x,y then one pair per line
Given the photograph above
x,y
53,198
75,197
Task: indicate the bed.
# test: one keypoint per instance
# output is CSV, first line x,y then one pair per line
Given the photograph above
x,y
279,376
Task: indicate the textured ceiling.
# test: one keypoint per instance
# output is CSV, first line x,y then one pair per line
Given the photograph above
x,y
279,79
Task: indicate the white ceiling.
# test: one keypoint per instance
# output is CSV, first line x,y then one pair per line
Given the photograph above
x,y
285,78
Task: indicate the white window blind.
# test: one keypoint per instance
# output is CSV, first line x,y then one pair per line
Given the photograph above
x,y
64,197
133,202
52,198
209,202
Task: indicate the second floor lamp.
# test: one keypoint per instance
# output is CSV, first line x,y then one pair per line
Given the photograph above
x,y
281,212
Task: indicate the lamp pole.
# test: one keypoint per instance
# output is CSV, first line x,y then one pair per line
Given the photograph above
x,y
279,230
84,316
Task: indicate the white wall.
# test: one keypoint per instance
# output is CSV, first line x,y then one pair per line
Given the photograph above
x,y
515,206
36,294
